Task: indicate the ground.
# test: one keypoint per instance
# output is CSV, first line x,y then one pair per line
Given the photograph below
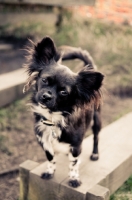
x,y
110,46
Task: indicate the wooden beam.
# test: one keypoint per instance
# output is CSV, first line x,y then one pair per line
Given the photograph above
x,y
10,87
100,178
51,2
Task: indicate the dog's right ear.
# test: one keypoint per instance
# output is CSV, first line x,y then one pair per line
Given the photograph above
x,y
45,51
42,54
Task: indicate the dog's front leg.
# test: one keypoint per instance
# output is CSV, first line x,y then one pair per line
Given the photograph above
x,y
51,166
45,140
74,180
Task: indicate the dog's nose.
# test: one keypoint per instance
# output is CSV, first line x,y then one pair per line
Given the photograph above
x,y
47,96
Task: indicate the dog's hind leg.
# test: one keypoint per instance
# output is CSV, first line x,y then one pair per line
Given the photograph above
x,y
51,166
96,129
74,180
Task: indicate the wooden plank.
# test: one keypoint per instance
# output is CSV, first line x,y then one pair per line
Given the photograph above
x,y
11,86
110,171
12,78
98,192
39,188
60,174
51,2
115,179
24,177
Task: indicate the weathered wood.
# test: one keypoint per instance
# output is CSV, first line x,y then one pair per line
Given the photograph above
x,y
24,177
110,171
115,179
11,86
98,192
51,2
39,188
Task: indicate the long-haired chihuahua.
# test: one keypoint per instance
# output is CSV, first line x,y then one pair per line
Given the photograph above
x,y
63,103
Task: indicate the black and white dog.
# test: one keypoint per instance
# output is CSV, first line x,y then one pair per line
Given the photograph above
x,y
63,104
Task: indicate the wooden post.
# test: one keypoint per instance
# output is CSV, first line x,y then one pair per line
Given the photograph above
x,y
24,177
98,193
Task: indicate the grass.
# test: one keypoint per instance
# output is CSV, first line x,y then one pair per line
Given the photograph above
x,y
9,115
124,192
11,119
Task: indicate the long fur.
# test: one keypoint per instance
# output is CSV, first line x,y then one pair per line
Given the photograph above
x,y
63,103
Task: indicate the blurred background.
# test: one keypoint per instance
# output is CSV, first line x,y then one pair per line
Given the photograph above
x,y
103,27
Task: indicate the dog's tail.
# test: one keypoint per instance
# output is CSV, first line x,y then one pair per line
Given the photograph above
x,y
70,53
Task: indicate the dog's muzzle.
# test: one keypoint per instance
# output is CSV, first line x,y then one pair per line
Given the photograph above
x,y
48,100
46,96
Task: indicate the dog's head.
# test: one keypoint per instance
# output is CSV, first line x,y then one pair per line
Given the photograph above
x,y
56,86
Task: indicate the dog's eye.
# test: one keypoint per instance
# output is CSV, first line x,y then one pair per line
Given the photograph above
x,y
63,93
45,81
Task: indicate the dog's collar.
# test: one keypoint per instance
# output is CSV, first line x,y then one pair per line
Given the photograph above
x,y
47,122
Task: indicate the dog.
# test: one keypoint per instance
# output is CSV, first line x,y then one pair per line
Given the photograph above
x,y
63,103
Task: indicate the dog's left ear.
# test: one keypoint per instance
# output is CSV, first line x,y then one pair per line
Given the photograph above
x,y
88,84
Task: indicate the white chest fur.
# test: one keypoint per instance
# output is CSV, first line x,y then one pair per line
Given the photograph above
x,y
49,139
55,117
50,133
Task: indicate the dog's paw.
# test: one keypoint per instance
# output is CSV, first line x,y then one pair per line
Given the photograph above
x,y
94,157
74,183
47,175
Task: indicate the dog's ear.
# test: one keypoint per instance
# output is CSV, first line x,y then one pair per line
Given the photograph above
x,y
41,55
88,84
45,51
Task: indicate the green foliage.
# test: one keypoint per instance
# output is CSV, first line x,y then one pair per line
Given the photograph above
x,y
112,197
124,192
127,186
116,197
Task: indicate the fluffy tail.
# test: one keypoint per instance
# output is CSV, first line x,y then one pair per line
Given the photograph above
x,y
70,53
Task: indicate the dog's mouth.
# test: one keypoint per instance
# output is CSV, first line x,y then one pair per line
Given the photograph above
x,y
42,105
47,104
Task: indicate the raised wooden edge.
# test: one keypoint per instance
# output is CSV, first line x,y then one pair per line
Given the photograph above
x,y
11,94
98,193
120,174
11,86
24,170
28,165
111,170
